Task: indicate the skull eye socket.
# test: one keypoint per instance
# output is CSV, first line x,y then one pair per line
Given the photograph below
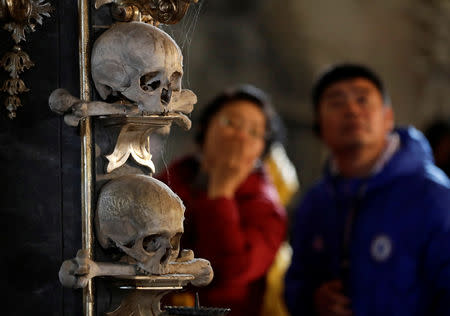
x,y
152,243
174,80
148,82
175,76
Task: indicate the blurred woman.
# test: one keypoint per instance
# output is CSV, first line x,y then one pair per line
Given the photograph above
x,y
233,214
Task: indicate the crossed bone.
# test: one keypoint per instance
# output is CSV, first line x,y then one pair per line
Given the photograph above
x,y
73,109
77,272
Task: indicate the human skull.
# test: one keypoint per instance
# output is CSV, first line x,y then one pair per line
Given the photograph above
x,y
144,218
141,62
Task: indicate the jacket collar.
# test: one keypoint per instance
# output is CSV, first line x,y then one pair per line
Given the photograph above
x,y
392,146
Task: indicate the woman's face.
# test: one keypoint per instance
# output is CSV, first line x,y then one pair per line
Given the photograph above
x,y
237,131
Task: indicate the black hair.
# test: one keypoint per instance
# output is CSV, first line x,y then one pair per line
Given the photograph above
x,y
275,130
340,72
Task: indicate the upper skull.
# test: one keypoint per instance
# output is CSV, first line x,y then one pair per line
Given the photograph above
x,y
141,62
144,218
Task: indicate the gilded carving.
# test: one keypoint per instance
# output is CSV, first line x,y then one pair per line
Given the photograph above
x,y
16,62
14,86
159,11
21,17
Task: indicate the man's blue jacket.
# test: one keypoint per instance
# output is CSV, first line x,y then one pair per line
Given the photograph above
x,y
399,244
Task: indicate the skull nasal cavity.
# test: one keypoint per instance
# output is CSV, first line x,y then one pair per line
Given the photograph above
x,y
164,257
165,96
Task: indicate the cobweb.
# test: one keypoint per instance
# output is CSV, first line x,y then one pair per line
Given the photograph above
x,y
183,32
165,147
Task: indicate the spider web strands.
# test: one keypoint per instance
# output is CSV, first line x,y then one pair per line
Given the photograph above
x,y
183,32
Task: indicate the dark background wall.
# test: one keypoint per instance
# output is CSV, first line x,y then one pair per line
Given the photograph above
x,y
40,174
276,45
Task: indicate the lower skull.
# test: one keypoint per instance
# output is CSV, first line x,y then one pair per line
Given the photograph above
x,y
144,218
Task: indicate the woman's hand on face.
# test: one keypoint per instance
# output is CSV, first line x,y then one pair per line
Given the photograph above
x,y
231,146
227,169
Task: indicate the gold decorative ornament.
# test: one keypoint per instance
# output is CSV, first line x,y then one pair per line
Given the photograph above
x,y
14,86
16,62
125,13
21,17
12,102
149,11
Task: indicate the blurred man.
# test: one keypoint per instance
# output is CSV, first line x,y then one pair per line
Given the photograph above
x,y
373,236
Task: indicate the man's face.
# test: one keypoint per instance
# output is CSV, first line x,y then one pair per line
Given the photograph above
x,y
352,115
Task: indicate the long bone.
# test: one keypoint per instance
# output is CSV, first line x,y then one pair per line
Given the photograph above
x,y
73,109
76,273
